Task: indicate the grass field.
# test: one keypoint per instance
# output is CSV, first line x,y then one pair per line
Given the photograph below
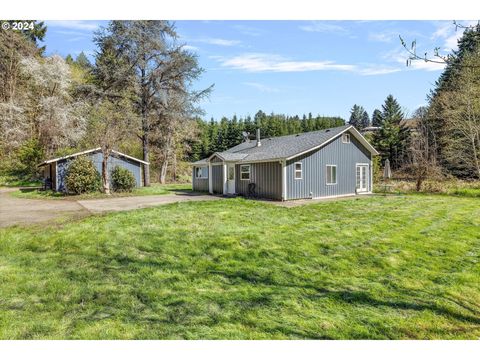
x,y
397,267
154,189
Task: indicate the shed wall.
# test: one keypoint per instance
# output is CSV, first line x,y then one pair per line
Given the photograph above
x,y
114,160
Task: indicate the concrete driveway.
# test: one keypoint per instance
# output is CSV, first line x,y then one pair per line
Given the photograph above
x,y
138,202
15,211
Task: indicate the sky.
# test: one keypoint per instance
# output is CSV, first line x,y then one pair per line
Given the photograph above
x,y
296,67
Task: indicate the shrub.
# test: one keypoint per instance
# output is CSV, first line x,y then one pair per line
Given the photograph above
x,y
122,179
82,176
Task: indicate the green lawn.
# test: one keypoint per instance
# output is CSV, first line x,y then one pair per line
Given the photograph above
x,y
154,189
397,267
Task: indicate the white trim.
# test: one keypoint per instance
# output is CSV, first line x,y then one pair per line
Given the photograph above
x,y
326,174
216,163
90,151
370,182
337,196
367,185
284,180
244,172
346,138
210,183
354,131
225,178
231,165
332,196
215,154
295,170
258,161
130,157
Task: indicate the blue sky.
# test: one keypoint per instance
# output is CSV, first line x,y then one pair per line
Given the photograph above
x,y
296,67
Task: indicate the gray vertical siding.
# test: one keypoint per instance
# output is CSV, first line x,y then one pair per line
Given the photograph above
x,y
267,178
114,160
313,182
199,184
217,179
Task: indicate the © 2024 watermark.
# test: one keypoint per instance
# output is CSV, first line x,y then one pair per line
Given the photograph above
x,y
18,25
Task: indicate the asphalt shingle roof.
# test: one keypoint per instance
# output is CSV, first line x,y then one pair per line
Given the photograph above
x,y
281,147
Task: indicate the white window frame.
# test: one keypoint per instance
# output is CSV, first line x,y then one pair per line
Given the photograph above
x,y
295,170
326,174
245,172
346,138
201,172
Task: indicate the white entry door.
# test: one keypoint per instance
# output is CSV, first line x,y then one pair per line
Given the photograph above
x,y
231,178
362,185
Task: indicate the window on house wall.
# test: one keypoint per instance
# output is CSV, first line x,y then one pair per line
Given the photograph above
x,y
331,174
298,171
201,172
245,172
231,172
346,138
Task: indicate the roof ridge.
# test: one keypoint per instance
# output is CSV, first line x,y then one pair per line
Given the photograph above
x,y
308,132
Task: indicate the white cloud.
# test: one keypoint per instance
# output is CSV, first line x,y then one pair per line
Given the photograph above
x,y
190,47
428,66
378,70
400,57
450,35
262,88
248,30
324,27
386,37
74,24
257,62
217,41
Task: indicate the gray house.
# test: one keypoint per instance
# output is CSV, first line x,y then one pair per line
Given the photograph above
x,y
55,170
318,164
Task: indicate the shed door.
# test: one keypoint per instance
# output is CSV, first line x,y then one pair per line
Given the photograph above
x,y
362,178
231,178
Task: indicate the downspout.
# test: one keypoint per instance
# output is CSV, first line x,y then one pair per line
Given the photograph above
x,y
284,179
370,182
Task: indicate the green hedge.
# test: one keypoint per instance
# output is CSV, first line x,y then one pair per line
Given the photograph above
x,y
82,177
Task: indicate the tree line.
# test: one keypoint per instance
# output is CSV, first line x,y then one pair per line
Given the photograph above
x,y
442,138
220,135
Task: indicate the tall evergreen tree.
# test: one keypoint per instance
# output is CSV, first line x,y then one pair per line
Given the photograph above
x,y
377,119
392,138
359,117
447,100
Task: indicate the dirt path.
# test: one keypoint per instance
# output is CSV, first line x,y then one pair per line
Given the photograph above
x,y
15,211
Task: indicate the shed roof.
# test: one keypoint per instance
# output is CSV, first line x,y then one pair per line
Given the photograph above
x,y
46,162
286,147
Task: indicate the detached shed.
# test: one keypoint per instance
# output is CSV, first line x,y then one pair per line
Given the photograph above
x,y
55,170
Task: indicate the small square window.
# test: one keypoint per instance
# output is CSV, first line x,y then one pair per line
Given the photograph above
x,y
346,138
201,172
331,174
244,172
298,170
